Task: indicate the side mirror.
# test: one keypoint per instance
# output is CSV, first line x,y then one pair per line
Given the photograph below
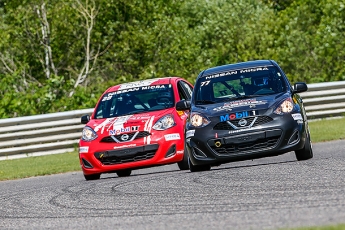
x,y
182,105
300,87
85,119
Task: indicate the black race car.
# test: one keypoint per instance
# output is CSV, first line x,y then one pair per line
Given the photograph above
x,y
244,111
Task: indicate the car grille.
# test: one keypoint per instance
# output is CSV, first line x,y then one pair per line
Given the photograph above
x,y
109,139
226,126
228,149
132,155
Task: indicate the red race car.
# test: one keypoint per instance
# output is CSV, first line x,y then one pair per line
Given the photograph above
x,y
135,125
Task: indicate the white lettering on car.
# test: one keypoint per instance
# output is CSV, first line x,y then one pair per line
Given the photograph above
x,y
83,149
137,84
190,133
124,146
232,72
172,136
297,116
234,104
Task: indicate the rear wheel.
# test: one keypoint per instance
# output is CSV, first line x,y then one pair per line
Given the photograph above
x,y
307,151
92,176
183,165
198,168
124,173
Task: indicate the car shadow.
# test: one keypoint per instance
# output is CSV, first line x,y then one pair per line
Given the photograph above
x,y
214,168
253,165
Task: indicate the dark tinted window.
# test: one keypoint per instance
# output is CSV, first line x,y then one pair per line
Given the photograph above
x,y
241,83
135,100
184,90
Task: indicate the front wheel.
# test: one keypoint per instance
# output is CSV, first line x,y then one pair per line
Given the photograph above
x,y
124,173
198,168
183,165
92,177
307,151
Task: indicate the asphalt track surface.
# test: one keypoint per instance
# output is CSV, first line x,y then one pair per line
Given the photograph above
x,y
268,193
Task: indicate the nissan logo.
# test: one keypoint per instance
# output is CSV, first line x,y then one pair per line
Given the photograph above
x,y
124,137
242,122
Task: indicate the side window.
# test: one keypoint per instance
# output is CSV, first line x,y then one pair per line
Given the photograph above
x,y
185,90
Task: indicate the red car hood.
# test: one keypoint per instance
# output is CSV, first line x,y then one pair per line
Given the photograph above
x,y
127,124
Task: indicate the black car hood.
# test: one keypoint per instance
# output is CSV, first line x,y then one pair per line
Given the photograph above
x,y
239,105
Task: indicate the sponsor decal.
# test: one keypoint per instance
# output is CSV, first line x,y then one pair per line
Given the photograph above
x,y
238,130
180,113
125,146
137,84
133,89
139,117
153,87
297,116
180,152
114,123
118,131
239,115
84,149
227,73
234,104
172,136
222,74
135,128
190,133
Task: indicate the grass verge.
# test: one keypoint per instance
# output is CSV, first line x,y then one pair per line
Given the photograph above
x,y
38,166
322,130
331,227
327,129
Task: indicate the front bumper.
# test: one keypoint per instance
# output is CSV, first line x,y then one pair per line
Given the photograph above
x,y
274,136
97,158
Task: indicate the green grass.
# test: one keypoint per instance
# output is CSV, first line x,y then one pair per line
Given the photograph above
x,y
322,130
40,165
327,130
331,227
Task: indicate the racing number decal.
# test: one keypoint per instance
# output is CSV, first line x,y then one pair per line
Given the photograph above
x,y
204,83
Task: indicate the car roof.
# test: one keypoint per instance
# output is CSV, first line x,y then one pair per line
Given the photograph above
x,y
146,82
235,66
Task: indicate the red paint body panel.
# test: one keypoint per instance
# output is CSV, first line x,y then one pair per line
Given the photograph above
x,y
136,123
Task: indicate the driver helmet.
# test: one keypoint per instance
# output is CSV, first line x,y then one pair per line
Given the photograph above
x,y
164,98
126,99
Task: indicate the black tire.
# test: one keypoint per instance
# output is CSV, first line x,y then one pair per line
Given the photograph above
x,y
198,168
124,173
307,151
92,176
183,165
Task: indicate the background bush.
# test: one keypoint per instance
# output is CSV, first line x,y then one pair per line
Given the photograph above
x,y
61,55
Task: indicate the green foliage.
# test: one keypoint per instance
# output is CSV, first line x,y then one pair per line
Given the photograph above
x,y
132,40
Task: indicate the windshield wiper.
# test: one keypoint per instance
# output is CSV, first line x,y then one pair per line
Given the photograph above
x,y
200,102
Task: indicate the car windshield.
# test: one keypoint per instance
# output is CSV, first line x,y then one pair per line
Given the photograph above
x,y
135,100
238,84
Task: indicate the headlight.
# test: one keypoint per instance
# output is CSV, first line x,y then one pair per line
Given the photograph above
x,y
198,120
164,123
88,134
285,107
